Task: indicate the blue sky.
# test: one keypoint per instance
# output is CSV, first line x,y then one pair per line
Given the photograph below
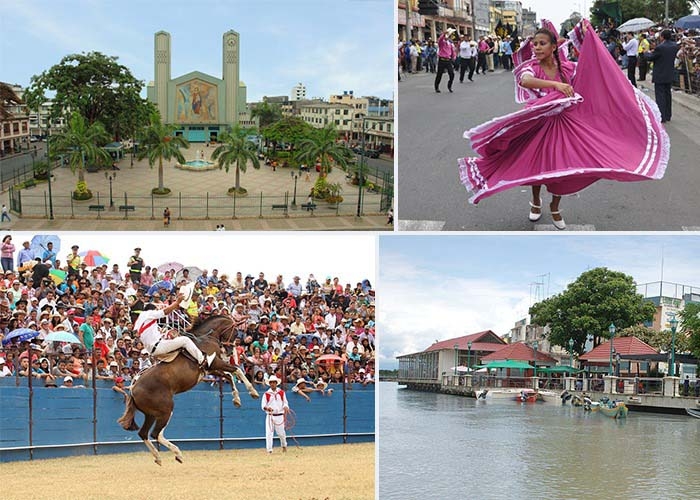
x,y
330,46
438,287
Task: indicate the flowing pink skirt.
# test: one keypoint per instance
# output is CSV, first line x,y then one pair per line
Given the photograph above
x,y
608,130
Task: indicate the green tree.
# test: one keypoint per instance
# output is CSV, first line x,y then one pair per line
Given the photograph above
x,y
80,141
690,326
290,129
236,149
92,84
322,145
589,305
267,114
158,143
651,9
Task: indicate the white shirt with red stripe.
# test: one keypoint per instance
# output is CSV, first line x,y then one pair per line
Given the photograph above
x,y
275,400
147,327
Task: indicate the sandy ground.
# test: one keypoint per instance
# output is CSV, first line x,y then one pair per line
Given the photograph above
x,y
313,472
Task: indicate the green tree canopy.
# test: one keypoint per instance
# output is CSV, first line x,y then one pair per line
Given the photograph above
x,y
267,113
158,143
323,146
651,9
236,149
690,326
94,85
80,142
589,305
290,129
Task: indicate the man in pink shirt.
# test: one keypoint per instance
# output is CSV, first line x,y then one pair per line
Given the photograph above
x,y
446,56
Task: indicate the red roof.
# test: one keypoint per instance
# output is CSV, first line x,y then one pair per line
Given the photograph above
x,y
519,352
485,341
622,345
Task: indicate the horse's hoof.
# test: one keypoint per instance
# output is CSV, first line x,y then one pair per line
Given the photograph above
x,y
179,459
237,403
254,395
159,462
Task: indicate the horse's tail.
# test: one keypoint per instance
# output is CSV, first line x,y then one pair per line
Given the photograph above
x,y
127,420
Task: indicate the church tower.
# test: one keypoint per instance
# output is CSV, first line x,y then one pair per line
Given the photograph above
x,y
162,72
230,75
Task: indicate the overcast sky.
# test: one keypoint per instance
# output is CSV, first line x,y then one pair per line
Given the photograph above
x,y
351,256
439,287
328,46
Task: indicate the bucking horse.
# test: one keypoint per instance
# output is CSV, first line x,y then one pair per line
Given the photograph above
x,y
152,392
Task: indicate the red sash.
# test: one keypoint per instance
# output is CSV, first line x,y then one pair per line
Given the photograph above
x,y
146,326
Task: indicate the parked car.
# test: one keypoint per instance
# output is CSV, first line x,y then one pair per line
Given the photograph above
x,y
369,153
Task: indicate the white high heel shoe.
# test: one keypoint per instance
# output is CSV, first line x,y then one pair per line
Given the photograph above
x,y
559,224
534,217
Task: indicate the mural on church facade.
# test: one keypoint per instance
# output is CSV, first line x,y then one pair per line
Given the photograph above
x,y
196,102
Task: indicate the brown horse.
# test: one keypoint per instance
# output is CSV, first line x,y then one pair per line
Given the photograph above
x,y
152,392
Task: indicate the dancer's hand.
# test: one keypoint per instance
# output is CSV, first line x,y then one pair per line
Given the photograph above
x,y
565,89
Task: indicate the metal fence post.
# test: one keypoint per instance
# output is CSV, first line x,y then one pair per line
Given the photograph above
x,y
153,209
46,206
206,214
179,205
98,202
234,205
72,214
261,202
126,204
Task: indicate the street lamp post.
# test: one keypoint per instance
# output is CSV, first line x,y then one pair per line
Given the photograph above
x,y
362,164
571,353
469,355
48,161
111,177
611,329
295,176
456,347
674,324
534,352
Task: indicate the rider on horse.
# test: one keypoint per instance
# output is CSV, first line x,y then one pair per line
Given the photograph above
x,y
157,343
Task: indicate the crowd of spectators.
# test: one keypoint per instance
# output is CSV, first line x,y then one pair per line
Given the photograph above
x,y
282,328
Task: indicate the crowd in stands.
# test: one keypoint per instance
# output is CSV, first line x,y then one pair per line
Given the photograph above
x,y
282,327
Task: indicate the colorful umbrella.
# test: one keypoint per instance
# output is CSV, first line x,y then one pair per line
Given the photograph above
x,y
58,276
163,284
21,334
40,241
168,266
94,258
60,336
328,358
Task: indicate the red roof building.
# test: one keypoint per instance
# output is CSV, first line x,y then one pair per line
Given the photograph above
x,y
621,345
520,352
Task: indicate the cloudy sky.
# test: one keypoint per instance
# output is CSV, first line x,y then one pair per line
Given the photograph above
x,y
350,256
328,46
439,287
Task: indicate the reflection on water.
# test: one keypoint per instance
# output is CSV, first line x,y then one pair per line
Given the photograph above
x,y
439,446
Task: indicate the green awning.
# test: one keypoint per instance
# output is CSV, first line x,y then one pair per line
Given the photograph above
x,y
558,369
509,363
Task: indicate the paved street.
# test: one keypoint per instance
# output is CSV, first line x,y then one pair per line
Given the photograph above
x,y
430,196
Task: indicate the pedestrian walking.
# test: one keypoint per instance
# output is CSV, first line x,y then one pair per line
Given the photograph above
x,y
390,217
465,58
663,57
631,46
274,404
446,56
568,136
7,253
5,215
166,217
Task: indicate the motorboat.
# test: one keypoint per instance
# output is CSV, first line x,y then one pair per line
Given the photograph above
x,y
693,413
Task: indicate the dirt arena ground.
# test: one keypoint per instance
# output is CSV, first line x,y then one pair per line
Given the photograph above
x,y
333,472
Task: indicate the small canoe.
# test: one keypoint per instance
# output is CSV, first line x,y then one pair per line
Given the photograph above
x,y
526,396
617,411
693,413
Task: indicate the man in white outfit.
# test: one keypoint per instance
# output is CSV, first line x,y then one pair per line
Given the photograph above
x,y
158,344
274,403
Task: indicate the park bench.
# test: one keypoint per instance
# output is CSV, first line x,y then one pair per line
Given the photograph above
x,y
126,208
279,206
96,208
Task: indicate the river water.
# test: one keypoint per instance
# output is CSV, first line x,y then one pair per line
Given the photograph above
x,y
451,447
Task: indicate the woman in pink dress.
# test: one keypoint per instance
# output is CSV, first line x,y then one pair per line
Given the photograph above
x,y
582,122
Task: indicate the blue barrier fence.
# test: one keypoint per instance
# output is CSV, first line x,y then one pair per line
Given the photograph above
x,y
82,421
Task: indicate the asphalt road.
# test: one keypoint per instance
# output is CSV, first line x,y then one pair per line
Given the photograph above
x,y
431,197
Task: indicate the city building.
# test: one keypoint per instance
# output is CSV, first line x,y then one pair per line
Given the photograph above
x,y
320,114
482,26
529,23
298,92
14,125
379,133
414,24
200,105
511,12
669,299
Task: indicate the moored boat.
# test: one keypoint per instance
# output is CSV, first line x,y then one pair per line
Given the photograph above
x,y
693,413
527,396
614,409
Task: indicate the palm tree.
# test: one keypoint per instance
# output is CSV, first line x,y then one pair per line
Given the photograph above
x,y
81,142
236,149
157,143
322,146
